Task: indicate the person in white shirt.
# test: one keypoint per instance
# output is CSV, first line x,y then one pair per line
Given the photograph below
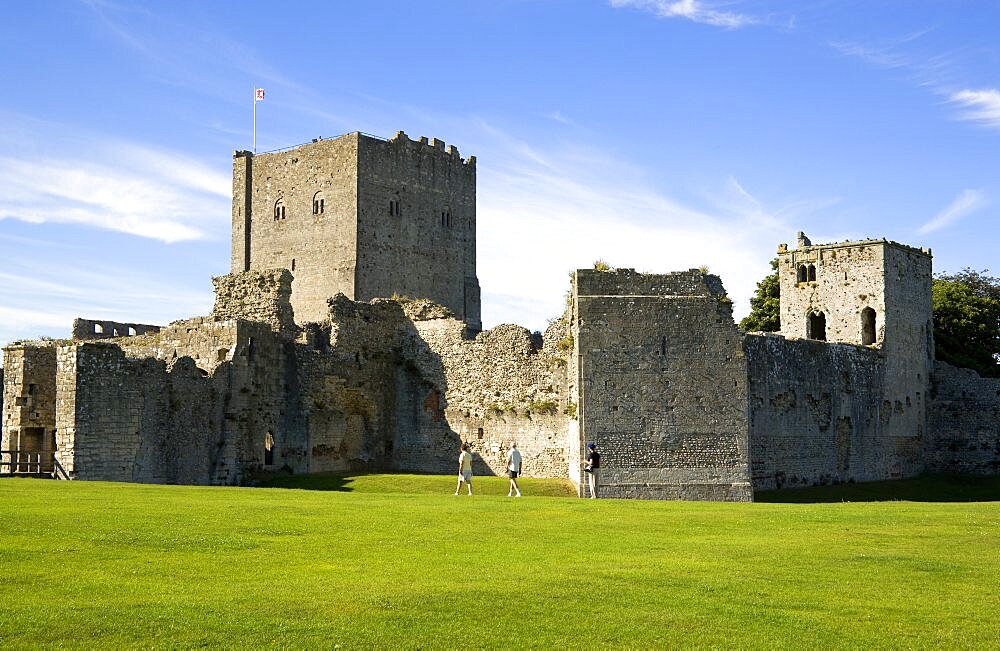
x,y
513,469
464,468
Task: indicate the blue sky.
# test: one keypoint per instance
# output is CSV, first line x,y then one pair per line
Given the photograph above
x,y
655,134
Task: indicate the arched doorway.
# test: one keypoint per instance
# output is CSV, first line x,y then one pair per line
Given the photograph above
x,y
816,326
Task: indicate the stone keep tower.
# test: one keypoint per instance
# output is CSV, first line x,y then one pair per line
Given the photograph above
x,y
362,216
869,293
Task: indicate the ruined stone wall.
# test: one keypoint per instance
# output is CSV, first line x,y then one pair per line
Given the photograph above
x,y
139,413
319,248
347,374
502,387
663,385
817,414
89,329
388,386
963,422
29,404
417,223
263,296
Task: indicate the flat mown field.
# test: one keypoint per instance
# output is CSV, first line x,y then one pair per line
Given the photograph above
x,y
398,561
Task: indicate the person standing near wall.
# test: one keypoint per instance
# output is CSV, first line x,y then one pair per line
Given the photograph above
x,y
593,468
513,469
464,468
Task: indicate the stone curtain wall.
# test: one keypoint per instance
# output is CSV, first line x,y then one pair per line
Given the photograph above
x,y
348,392
262,296
663,385
319,249
427,248
141,412
816,413
500,388
964,421
29,401
381,390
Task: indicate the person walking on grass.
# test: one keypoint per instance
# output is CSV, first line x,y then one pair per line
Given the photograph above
x,y
513,469
593,469
464,469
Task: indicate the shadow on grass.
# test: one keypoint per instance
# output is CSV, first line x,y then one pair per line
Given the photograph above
x,y
414,484
312,482
926,488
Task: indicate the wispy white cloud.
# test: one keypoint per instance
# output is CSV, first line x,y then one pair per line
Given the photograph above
x,y
982,106
936,73
135,189
693,10
966,202
41,296
559,117
887,53
546,212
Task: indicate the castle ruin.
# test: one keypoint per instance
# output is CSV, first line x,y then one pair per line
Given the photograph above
x,y
347,338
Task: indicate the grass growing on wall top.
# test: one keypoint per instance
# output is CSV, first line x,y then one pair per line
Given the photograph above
x,y
110,565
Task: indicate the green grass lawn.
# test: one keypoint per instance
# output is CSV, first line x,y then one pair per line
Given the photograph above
x,y
398,561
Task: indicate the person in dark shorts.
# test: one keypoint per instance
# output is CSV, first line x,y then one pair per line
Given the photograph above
x,y
513,469
593,469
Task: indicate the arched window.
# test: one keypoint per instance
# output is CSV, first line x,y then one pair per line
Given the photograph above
x,y
802,274
279,209
319,203
816,326
868,329
812,272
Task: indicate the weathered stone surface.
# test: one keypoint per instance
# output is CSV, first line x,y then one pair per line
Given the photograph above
x,y
361,216
261,296
663,384
964,422
88,329
28,406
651,367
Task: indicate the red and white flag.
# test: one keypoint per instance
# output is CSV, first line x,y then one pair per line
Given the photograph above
x,y
259,95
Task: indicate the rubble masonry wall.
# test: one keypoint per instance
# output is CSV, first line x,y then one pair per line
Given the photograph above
x,y
663,385
964,422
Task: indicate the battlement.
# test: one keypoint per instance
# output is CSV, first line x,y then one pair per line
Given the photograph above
x,y
400,139
805,245
423,143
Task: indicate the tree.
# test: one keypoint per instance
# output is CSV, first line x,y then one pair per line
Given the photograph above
x,y
765,306
967,320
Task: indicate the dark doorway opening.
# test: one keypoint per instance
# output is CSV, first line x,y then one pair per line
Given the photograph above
x,y
816,327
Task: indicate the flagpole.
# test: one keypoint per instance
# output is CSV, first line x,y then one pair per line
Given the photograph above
x,y
254,99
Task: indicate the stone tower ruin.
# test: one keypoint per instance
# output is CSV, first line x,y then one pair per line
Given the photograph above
x,y
361,216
